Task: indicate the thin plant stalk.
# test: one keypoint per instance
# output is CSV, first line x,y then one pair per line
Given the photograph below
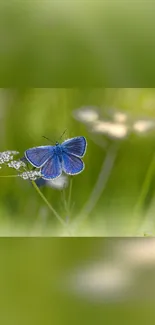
x,y
8,176
70,193
67,203
44,199
64,199
48,204
144,191
100,185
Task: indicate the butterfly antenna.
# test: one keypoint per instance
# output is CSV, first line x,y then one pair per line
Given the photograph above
x,y
47,139
62,134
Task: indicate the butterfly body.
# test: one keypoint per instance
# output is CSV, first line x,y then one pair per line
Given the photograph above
x,y
59,151
53,160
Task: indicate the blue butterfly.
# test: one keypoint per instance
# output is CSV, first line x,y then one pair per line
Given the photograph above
x,y
53,160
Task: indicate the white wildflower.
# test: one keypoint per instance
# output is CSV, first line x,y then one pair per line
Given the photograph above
x,y
120,117
32,175
116,116
116,130
16,164
7,156
142,126
86,114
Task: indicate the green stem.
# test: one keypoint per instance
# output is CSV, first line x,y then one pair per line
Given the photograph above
x,y
7,176
64,199
145,188
44,199
100,185
67,203
70,193
48,204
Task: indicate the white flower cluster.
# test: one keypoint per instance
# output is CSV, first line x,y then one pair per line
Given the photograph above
x,y
32,175
7,156
16,164
114,124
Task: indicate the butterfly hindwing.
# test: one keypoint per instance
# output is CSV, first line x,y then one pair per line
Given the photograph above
x,y
75,146
52,168
39,155
71,164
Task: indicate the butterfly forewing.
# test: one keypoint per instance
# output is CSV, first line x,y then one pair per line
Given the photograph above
x,y
39,155
75,146
72,165
52,168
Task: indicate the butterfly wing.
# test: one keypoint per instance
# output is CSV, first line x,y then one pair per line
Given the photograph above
x,y
39,155
71,164
52,168
75,146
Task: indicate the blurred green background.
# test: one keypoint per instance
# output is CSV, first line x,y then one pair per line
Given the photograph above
x,y
115,193
64,281
77,43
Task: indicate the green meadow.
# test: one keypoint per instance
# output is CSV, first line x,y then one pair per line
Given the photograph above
x,y
114,195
